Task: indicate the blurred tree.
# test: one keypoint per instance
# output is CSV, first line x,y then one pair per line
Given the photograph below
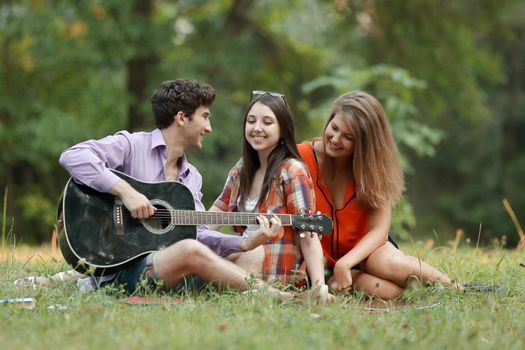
x,y
230,44
468,54
77,70
63,78
395,88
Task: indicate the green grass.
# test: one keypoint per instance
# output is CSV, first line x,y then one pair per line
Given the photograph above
x,y
4,217
231,320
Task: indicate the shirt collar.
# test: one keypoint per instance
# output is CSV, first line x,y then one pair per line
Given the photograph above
x,y
157,140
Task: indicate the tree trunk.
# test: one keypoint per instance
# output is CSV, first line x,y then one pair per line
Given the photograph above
x,y
139,71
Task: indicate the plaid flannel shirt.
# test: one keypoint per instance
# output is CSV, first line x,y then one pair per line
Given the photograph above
x,y
291,192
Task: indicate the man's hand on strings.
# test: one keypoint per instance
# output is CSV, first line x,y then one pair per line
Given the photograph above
x,y
138,205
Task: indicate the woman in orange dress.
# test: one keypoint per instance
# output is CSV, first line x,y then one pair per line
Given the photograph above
x,y
357,179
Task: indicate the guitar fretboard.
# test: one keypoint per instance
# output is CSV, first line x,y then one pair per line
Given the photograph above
x,y
189,217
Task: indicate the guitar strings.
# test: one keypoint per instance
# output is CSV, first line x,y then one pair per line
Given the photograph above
x,y
247,218
167,213
163,214
206,213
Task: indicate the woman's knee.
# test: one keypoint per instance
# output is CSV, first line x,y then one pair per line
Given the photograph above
x,y
387,290
377,287
390,293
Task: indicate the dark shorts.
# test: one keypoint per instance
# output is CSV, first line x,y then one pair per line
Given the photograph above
x,y
134,280
328,272
391,240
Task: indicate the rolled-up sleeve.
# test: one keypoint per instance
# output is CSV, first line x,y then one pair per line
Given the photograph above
x,y
300,195
223,201
298,189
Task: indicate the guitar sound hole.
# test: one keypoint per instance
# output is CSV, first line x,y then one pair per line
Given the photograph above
x,y
161,221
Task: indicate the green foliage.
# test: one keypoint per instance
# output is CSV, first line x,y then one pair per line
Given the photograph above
x,y
62,82
4,218
468,54
450,76
395,89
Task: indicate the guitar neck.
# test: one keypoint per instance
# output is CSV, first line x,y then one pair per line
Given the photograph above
x,y
189,217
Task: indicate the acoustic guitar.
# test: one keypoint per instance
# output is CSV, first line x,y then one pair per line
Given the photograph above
x,y
99,235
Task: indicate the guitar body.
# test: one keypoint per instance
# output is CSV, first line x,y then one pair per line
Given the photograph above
x,y
99,235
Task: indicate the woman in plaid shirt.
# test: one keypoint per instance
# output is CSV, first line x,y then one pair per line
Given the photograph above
x,y
270,178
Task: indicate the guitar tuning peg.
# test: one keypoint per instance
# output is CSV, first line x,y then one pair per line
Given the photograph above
x,y
318,212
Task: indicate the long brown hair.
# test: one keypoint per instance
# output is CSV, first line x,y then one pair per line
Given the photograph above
x,y
285,149
376,170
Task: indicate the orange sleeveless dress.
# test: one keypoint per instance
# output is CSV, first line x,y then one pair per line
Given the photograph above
x,y
350,221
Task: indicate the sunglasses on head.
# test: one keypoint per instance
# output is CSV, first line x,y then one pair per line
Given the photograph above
x,y
258,93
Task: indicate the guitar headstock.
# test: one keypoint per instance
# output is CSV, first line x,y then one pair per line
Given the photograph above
x,y
320,223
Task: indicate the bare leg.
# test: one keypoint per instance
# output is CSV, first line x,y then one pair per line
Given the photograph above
x,y
233,257
388,262
375,286
191,257
251,261
187,257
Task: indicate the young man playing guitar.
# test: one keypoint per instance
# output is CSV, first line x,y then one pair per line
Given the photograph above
x,y
181,111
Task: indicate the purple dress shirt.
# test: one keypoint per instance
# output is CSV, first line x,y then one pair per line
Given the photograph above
x,y
143,156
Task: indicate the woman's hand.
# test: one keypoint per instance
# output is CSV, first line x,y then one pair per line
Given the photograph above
x,y
269,230
341,281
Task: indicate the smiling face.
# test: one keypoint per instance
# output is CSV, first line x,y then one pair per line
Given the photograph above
x,y
262,129
338,138
197,127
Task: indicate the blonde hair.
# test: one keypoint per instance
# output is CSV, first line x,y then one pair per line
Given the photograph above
x,y
376,170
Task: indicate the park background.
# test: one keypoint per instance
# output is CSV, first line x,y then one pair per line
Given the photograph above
x,y
449,73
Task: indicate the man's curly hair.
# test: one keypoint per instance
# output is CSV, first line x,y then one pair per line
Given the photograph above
x,y
181,95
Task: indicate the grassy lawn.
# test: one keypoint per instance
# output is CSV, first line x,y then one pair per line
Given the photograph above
x,y
64,318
